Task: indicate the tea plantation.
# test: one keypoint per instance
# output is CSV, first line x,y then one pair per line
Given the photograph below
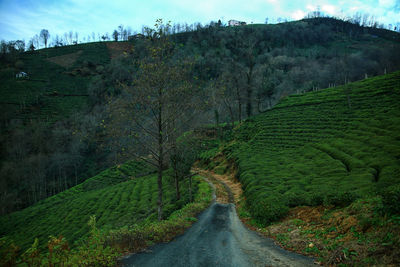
x,y
326,147
116,197
57,81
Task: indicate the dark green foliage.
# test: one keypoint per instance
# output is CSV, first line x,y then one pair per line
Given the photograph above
x,y
42,95
114,196
391,199
340,199
269,209
312,149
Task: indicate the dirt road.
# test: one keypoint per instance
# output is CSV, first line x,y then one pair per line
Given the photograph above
x,y
218,239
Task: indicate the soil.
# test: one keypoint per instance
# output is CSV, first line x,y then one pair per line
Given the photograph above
x,y
67,60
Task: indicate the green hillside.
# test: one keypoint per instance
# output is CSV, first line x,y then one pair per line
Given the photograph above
x,y
115,196
326,147
57,81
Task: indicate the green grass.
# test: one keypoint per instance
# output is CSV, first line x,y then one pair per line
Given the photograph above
x,y
114,196
313,149
35,97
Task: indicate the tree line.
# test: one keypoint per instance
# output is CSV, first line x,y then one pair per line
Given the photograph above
x,y
122,33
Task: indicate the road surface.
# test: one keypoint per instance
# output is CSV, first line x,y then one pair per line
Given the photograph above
x,y
218,238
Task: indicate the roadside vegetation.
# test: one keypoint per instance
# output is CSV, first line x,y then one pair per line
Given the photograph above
x,y
96,222
323,169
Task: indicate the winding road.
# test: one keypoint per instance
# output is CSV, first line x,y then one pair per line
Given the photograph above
x,y
218,238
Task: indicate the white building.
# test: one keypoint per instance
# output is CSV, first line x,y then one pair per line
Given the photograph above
x,y
234,22
21,75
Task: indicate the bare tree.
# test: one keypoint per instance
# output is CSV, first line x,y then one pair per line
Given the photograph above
x,y
70,36
151,113
44,35
115,35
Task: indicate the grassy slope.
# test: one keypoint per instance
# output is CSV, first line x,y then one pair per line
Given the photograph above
x,y
114,196
313,149
34,97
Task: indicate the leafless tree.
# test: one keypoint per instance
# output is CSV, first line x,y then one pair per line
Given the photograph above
x,y
44,35
152,111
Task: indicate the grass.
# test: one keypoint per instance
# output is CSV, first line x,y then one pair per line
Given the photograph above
x,y
314,148
103,247
116,197
42,94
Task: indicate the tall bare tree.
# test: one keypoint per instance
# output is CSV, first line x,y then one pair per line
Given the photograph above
x,y
44,35
151,112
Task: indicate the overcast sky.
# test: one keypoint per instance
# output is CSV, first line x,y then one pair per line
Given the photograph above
x,y
22,19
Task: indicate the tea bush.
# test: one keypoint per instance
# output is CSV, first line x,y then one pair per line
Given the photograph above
x,y
314,149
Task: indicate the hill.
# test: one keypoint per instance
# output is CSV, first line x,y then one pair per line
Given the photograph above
x,y
57,82
337,150
56,116
49,114
117,197
331,146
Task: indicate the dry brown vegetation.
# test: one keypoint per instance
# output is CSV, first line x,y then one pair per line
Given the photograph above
x,y
118,48
67,60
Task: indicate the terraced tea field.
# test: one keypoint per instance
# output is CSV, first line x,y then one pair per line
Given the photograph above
x,y
57,83
115,196
331,146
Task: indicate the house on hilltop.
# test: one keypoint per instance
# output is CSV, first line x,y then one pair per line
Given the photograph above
x,y
234,22
136,37
21,75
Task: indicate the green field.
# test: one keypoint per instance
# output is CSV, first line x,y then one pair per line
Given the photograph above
x,y
116,197
57,82
326,147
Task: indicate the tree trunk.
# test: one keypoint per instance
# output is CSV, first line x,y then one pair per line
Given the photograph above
x,y
178,193
239,99
231,114
160,158
160,193
259,106
190,188
249,93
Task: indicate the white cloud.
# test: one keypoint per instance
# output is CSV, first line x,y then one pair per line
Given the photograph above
x,y
311,7
329,9
387,3
298,14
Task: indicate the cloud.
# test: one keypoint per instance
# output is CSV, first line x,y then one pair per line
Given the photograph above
x,y
21,19
329,9
298,14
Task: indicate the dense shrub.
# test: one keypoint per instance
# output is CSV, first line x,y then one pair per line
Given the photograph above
x,y
340,199
296,198
316,199
391,199
269,209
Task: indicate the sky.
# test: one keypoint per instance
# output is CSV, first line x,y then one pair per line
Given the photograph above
x,y
22,19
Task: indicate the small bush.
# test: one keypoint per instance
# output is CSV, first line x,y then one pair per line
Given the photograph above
x,y
296,198
8,252
316,199
269,210
341,199
391,199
